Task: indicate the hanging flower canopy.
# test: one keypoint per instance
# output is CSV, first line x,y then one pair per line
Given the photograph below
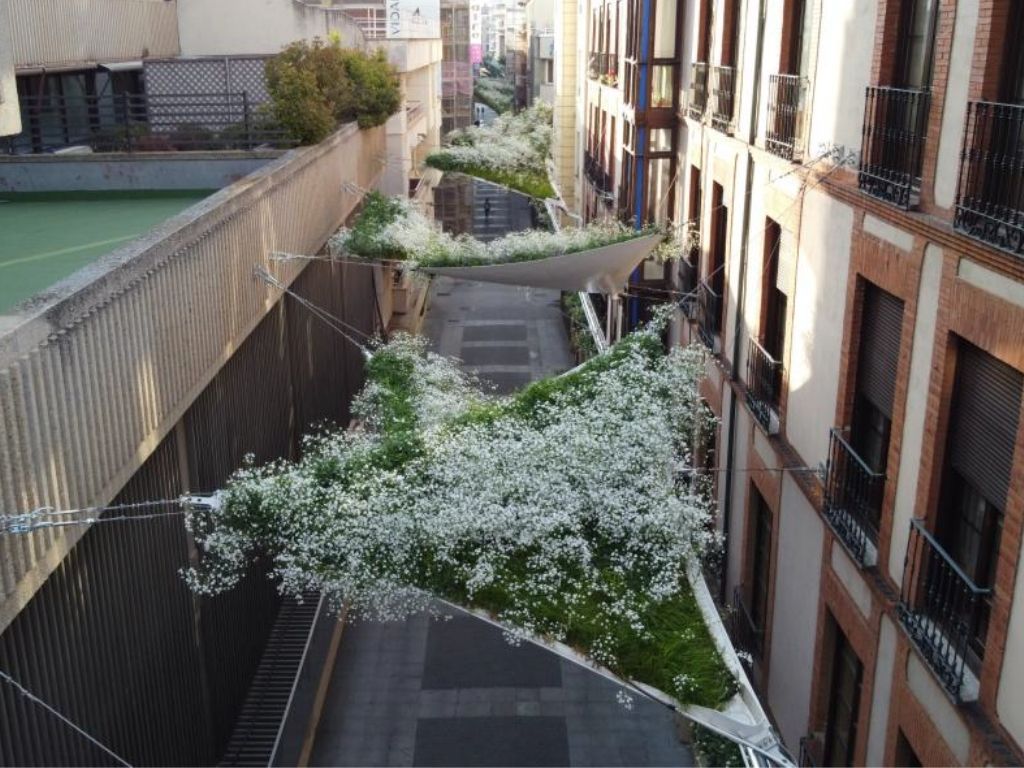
x,y
596,257
568,510
511,151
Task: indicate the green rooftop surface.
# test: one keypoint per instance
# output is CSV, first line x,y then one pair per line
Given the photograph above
x,y
45,237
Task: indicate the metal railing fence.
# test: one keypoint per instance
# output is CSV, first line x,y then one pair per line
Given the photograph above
x,y
990,194
140,122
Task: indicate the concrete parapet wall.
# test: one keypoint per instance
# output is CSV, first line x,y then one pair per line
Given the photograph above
x,y
49,33
129,172
101,367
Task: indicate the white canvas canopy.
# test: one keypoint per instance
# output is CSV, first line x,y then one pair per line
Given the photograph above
x,y
599,270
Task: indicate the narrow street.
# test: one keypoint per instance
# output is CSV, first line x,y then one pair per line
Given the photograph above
x,y
429,692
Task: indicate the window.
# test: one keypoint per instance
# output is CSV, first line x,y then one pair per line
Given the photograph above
x,y
980,443
760,560
843,701
730,32
1012,85
917,42
719,237
881,326
662,86
773,297
665,29
797,39
905,756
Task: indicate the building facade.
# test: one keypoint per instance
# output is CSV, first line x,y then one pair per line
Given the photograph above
x,y
456,66
846,179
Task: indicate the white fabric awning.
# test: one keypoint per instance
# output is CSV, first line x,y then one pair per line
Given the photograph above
x,y
600,270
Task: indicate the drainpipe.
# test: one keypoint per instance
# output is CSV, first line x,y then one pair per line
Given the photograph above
x,y
740,295
640,139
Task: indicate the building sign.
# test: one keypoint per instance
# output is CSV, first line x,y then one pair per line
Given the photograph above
x,y
413,18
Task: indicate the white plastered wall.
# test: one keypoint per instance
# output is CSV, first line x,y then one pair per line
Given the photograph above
x,y
845,46
921,355
955,108
818,315
795,615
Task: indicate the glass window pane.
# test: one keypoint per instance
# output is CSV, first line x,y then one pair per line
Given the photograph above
x,y
665,30
661,139
661,86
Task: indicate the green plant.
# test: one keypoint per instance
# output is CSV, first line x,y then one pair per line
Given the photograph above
x,y
316,86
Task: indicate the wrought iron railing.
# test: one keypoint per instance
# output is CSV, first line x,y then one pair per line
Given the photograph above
x,y
894,135
853,499
698,100
764,383
745,633
943,610
784,136
990,198
723,96
599,178
709,314
139,122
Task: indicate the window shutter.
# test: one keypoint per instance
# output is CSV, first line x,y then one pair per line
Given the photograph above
x,y
880,328
983,422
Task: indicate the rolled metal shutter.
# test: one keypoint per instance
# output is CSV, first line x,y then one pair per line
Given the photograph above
x,y
880,328
983,423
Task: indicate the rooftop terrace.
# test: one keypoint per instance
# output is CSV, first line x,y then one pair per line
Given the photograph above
x,y
48,236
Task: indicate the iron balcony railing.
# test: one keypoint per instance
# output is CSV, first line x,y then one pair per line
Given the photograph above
x,y
723,95
894,135
784,136
688,286
698,100
990,197
599,178
853,499
745,633
943,611
139,122
709,314
764,384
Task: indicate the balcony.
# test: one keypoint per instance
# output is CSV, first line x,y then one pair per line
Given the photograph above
x,y
743,630
853,500
709,316
764,385
698,101
895,131
943,612
784,136
723,95
990,197
599,179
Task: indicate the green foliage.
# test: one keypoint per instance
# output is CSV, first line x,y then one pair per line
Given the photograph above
x,y
533,183
715,750
378,211
314,87
495,92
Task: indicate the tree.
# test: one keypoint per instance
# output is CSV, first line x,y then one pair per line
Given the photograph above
x,y
314,87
